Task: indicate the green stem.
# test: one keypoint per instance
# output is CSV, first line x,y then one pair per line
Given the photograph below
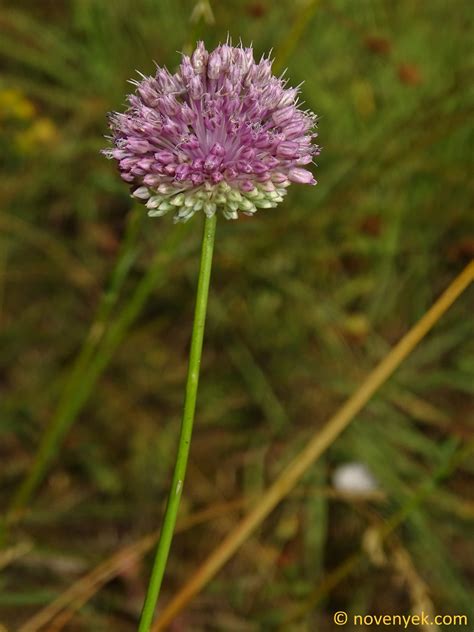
x,y
51,438
176,489
92,361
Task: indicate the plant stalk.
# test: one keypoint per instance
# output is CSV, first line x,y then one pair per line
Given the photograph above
x,y
64,415
171,511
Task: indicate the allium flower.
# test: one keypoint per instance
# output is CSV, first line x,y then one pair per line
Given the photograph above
x,y
222,133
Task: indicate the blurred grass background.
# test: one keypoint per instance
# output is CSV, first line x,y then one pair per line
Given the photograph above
x,y
305,300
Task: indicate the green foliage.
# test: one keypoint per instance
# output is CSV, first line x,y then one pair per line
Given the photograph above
x,y
305,300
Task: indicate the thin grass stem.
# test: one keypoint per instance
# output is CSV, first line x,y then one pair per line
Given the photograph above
x,y
171,511
65,411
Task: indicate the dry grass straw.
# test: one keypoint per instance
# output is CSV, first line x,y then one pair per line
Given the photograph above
x,y
313,450
58,614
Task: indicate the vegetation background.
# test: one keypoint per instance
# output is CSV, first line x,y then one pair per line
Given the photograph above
x,y
306,299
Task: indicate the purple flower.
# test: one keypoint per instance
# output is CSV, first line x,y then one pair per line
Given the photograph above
x,y
222,133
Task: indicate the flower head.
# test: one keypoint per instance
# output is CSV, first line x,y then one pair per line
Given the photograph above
x,y
222,133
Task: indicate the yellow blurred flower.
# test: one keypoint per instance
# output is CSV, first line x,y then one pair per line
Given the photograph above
x,y
40,133
14,105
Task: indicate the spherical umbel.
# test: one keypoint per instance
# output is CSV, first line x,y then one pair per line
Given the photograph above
x,y
221,134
